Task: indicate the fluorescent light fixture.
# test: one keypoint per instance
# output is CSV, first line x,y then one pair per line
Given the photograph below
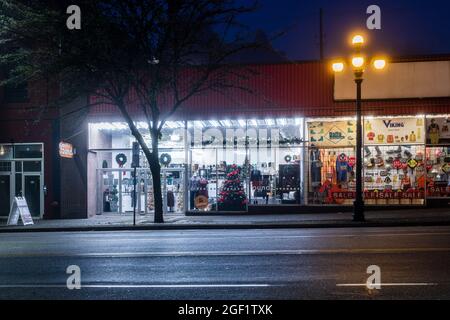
x,y
281,122
270,122
214,123
298,121
198,124
242,123
253,123
226,123
142,125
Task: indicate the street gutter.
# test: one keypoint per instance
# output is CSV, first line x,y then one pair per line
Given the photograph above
x,y
203,226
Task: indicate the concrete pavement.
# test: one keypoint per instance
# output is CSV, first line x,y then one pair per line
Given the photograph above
x,y
416,217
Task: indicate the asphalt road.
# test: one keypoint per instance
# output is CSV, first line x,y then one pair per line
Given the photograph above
x,y
228,264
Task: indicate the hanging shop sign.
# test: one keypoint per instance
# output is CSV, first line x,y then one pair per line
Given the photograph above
x,y
394,131
332,133
66,150
438,130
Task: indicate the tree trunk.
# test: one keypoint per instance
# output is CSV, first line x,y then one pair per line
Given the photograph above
x,y
152,158
155,169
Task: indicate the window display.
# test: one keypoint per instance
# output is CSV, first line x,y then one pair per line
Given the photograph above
x,y
331,161
438,172
438,130
394,174
232,196
232,163
394,161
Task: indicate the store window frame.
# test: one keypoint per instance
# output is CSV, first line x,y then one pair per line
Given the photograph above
x,y
17,163
408,181
431,146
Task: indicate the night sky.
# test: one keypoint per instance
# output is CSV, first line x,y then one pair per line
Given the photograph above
x,y
409,27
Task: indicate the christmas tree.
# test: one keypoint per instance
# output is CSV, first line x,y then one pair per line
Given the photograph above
x,y
232,196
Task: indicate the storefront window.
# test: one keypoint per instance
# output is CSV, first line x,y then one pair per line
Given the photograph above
x,y
111,145
22,151
331,161
6,152
240,162
394,161
438,157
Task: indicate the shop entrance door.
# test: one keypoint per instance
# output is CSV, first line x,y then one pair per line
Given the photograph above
x,y
32,191
116,191
5,194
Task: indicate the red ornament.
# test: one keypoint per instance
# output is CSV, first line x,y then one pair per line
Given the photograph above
x,y
352,161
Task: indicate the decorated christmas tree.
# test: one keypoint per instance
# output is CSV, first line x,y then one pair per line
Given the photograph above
x,y
232,197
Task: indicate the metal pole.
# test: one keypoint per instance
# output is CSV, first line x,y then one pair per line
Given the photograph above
x,y
134,197
358,213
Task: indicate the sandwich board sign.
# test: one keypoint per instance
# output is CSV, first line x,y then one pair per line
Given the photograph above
x,y
19,209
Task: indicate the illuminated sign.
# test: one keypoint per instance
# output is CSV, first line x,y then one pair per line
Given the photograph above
x,y
66,150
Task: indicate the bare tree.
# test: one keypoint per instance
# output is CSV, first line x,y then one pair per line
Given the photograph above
x,y
164,52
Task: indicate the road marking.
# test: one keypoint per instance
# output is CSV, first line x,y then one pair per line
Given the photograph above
x,y
386,284
245,285
220,237
228,253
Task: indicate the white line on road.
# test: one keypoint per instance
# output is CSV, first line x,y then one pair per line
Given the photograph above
x,y
386,284
227,253
228,237
245,285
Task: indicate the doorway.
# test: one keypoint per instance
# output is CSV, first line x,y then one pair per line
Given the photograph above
x,y
116,191
5,194
32,192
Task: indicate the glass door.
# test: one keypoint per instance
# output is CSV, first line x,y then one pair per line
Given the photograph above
x,y
5,194
33,193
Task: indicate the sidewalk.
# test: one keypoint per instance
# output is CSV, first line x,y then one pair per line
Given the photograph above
x,y
417,217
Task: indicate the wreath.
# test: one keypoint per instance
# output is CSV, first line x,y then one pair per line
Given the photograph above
x,y
288,158
121,159
165,159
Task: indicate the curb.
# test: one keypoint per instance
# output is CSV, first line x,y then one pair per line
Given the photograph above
x,y
312,225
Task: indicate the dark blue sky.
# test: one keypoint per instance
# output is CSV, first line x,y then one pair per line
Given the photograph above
x,y
409,27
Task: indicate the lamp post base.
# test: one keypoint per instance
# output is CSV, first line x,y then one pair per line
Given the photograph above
x,y
358,211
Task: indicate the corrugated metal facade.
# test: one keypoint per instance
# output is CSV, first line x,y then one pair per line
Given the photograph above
x,y
300,89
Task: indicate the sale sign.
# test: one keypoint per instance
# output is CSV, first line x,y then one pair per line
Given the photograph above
x,y
394,131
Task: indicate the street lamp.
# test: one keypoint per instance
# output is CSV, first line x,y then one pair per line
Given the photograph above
x,y
358,64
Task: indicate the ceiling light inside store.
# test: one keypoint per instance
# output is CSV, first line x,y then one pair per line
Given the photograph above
x,y
103,126
298,121
281,122
141,125
171,124
119,126
226,123
198,124
270,122
242,123
253,123
214,123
